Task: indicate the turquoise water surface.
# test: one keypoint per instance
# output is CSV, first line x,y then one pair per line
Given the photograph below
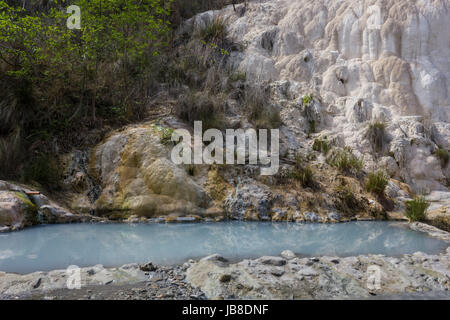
x,y
52,247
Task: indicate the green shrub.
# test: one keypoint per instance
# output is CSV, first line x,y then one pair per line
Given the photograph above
x,y
44,170
376,134
443,156
345,161
321,145
377,182
416,209
56,77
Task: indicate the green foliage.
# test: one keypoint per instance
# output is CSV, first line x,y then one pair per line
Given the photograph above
x,y
443,156
307,99
53,78
377,182
44,170
165,134
416,208
28,42
321,145
377,135
345,161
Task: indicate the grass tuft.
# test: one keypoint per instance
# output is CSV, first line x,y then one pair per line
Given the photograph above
x,y
416,209
345,161
321,145
377,182
214,31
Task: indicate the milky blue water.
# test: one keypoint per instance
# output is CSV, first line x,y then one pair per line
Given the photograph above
x,y
52,247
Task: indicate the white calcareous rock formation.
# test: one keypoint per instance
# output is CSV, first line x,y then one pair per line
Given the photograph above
x,y
363,61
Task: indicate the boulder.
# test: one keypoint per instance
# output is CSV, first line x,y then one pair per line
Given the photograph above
x,y
137,177
17,210
288,254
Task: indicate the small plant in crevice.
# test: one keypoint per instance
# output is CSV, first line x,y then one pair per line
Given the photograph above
x,y
307,99
345,161
165,135
416,209
443,156
377,182
376,133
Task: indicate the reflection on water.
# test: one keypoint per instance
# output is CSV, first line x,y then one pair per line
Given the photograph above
x,y
58,246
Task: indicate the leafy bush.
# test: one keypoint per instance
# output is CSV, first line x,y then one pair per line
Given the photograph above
x,y
345,161
416,209
377,182
443,156
53,78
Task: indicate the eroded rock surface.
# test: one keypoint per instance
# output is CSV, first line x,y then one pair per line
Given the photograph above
x,y
22,207
138,177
